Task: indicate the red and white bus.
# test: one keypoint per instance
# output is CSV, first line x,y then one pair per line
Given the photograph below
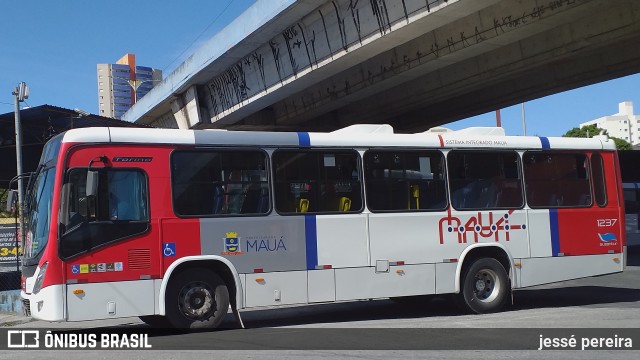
x,y
176,226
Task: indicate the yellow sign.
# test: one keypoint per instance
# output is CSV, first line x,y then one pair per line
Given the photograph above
x,y
6,251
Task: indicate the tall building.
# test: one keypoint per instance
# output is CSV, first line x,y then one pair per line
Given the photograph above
x,y
624,125
121,84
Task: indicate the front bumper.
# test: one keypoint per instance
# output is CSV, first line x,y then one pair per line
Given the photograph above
x,y
47,304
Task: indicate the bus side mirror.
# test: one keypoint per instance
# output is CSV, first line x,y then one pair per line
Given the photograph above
x,y
12,201
92,183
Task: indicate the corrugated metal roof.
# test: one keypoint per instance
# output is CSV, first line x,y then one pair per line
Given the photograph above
x,y
39,124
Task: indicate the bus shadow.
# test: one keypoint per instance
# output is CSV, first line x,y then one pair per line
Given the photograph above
x,y
574,296
417,308
633,255
364,311
350,312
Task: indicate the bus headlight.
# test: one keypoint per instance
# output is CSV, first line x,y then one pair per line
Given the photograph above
x,y
38,285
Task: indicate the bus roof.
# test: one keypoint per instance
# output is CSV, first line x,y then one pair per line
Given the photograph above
x,y
366,135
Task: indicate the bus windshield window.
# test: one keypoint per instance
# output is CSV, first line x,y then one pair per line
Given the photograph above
x,y
39,217
51,149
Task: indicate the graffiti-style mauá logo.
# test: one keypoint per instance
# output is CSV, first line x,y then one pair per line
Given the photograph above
x,y
476,228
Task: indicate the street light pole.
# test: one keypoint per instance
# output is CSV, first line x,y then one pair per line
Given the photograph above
x,y
135,84
21,93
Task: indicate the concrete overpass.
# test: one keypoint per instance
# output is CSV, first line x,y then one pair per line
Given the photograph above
x,y
321,65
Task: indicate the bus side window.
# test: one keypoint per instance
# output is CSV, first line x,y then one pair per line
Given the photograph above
x,y
119,210
599,180
485,179
127,196
219,182
557,179
317,181
405,180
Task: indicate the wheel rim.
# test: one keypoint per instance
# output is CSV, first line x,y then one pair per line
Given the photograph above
x,y
196,301
486,285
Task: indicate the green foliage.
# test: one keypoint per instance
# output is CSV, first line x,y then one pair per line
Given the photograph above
x,y
583,132
621,144
3,202
592,130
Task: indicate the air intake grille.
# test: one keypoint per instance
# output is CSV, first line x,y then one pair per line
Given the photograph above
x,y
26,307
139,259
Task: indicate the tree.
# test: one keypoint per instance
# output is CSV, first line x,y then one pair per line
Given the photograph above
x,y
592,130
621,144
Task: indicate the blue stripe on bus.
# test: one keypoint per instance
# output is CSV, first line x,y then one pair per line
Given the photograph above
x,y
311,237
555,232
303,139
545,142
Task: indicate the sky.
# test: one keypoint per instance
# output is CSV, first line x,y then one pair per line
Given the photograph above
x,y
55,45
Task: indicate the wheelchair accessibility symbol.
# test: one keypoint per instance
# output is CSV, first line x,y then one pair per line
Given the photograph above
x,y
75,269
169,249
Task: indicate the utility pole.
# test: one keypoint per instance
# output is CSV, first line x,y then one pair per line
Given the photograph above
x,y
20,93
524,123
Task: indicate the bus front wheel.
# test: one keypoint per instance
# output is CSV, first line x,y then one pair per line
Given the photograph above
x,y
484,286
196,299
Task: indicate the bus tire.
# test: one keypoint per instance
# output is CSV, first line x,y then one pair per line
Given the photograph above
x,y
484,286
196,298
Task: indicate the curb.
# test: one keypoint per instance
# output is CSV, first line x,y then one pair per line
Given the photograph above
x,y
11,319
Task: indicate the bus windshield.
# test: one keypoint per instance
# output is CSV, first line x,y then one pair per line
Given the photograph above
x,y
39,214
38,201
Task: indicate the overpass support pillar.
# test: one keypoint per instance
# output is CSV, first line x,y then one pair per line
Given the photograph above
x,y
186,109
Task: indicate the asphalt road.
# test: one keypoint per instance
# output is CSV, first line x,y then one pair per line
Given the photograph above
x,y
610,303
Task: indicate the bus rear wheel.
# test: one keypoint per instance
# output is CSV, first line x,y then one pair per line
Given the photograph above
x,y
485,286
196,299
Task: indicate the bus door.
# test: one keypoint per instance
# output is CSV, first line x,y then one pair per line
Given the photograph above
x,y
320,190
406,195
107,239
